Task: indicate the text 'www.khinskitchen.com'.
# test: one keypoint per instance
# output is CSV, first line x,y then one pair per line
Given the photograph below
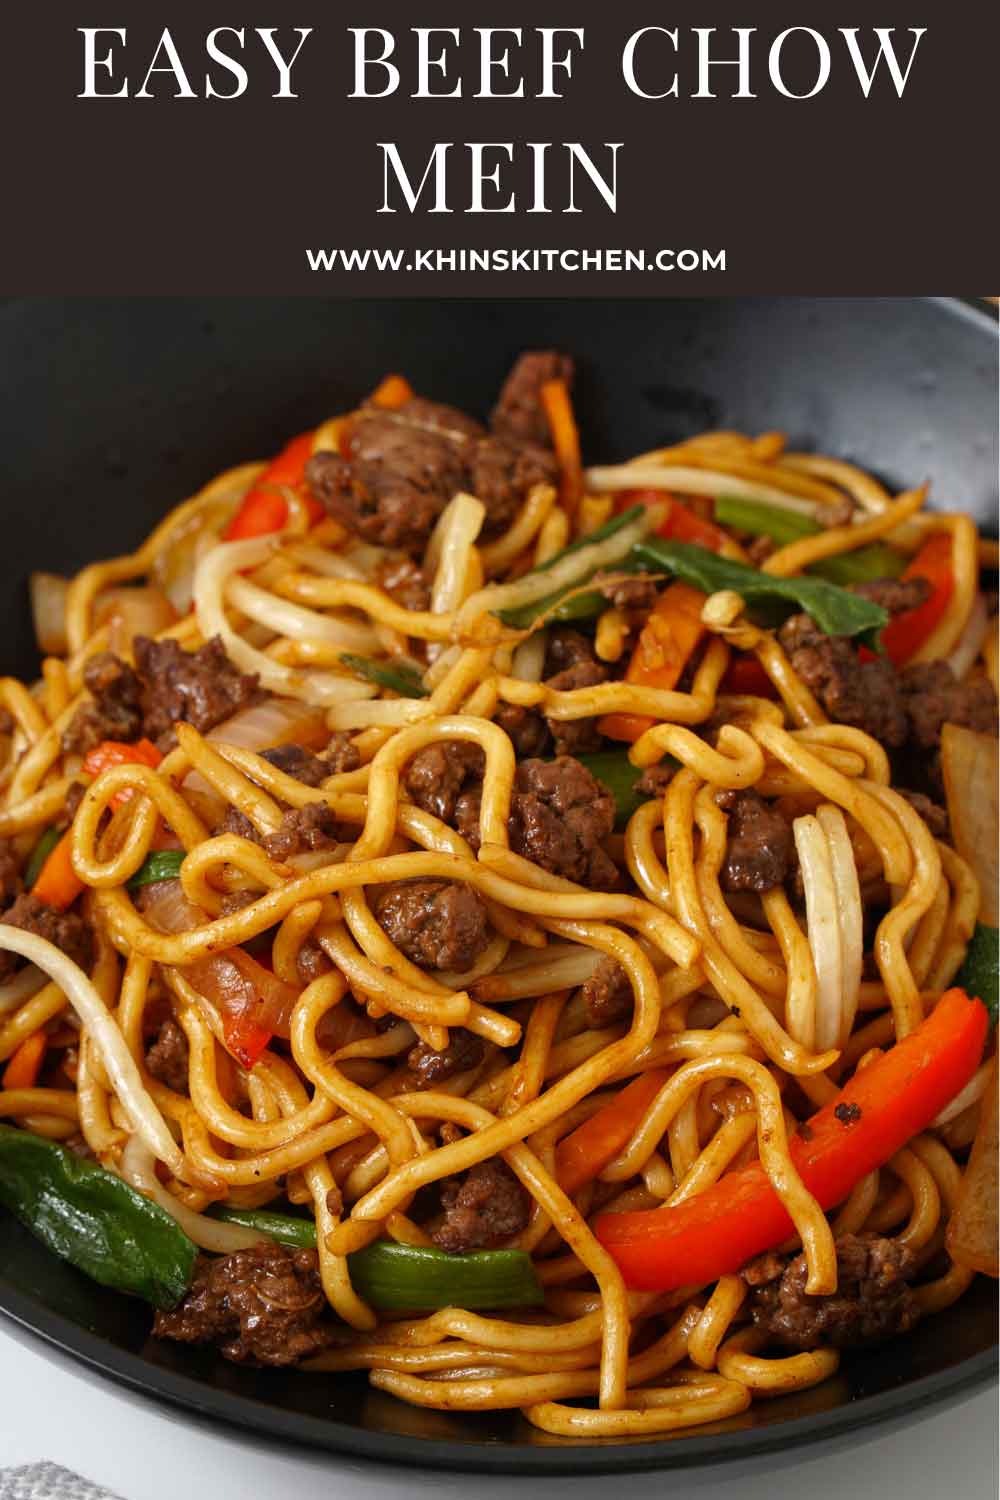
x,y
499,258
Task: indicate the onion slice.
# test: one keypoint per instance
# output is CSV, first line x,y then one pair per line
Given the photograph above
x,y
823,929
970,763
276,721
970,642
850,917
119,1064
132,612
972,1234
48,612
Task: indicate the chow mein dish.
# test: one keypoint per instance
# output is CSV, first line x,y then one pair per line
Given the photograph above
x,y
525,932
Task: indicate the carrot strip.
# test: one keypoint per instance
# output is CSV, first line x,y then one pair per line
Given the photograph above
x,y
391,393
663,649
586,1151
26,1063
58,884
558,410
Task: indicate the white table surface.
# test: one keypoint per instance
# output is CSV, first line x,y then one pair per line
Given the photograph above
x,y
146,1452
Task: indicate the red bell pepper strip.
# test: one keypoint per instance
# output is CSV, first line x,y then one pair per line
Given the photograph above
x,y
26,1063
114,753
264,508
874,1115
906,632
586,1151
680,523
254,1009
745,677
666,641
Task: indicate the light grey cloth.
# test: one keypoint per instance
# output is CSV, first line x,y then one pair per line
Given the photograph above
x,y
47,1481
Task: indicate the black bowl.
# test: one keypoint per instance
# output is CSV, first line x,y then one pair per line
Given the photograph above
x,y
116,409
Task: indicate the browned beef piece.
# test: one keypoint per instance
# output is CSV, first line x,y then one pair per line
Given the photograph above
x,y
296,761
233,901
310,963
484,1207
558,818
405,582
9,877
654,780
341,754
607,994
437,777
577,736
263,1306
528,730
866,695
167,1058
933,697
465,1050
872,1301
303,828
201,687
401,469
518,413
115,712
501,475
566,648
895,594
74,796
65,929
759,848
438,924
934,816
633,593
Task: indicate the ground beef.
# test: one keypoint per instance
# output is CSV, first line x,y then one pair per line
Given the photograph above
x,y
402,467
481,1209
9,877
866,695
263,1306
303,829
759,848
630,593
558,818
296,761
607,994
518,414
404,581
933,696
934,816
65,929
654,780
576,736
559,813
201,687
438,924
234,901
465,1050
439,776
75,794
872,1301
310,963
341,754
564,648
167,1058
528,730
114,711
895,594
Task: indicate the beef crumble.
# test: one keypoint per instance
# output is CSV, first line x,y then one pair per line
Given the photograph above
x,y
167,1057
301,830
9,872
199,687
465,1050
519,414
405,583
759,850
114,711
262,1306
437,924
66,929
872,1301
865,695
481,1209
607,994
299,763
933,697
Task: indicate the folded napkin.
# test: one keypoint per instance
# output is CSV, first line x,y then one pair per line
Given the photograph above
x,y
47,1481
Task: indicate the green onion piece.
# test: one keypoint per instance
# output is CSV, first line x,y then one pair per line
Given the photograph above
x,y
411,1278
835,610
163,864
401,679
878,560
980,971
94,1220
616,524
39,855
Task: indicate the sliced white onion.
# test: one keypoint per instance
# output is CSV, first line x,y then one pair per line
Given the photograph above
x,y
102,1028
210,580
299,624
328,564
528,662
823,928
138,1168
684,481
447,554
971,1094
970,642
276,721
25,984
132,612
579,564
849,913
48,612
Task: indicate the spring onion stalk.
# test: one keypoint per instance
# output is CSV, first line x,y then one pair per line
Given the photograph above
x,y
399,679
783,526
